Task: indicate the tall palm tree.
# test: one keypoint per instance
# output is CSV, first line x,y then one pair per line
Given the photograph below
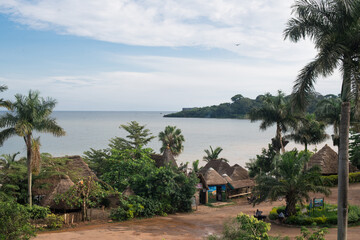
x,y
172,137
29,113
333,26
275,110
308,131
290,181
213,154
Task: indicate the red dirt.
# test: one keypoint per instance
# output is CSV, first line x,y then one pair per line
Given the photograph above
x,y
195,225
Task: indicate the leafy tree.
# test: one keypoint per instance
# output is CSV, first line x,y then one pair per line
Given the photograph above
x,y
264,163
172,137
15,222
29,113
138,136
333,26
290,180
276,110
213,154
308,131
354,148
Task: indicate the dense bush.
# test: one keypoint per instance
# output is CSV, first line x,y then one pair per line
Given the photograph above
x,y
38,212
332,180
14,222
53,221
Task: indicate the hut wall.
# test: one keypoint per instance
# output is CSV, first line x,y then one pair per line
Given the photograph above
x,y
212,193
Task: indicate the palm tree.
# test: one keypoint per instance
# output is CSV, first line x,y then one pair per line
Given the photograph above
x,y
29,113
275,110
213,154
329,110
4,103
8,159
171,137
309,131
290,181
333,26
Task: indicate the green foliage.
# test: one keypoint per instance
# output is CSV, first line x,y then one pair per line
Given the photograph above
x,y
354,148
13,181
165,189
53,221
332,180
263,163
172,137
317,234
96,160
308,131
14,222
38,212
138,136
84,194
290,180
318,216
244,227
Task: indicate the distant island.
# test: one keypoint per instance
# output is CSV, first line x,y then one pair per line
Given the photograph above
x,y
238,108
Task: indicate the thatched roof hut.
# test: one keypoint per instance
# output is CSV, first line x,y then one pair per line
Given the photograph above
x,y
212,177
242,183
235,172
71,170
227,178
327,159
166,159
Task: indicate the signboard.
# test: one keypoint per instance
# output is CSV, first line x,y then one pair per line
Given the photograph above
x,y
199,186
318,202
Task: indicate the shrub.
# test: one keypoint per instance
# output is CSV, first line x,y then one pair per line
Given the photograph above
x,y
54,221
273,214
38,212
14,222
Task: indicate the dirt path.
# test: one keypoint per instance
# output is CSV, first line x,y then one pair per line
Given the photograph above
x,y
195,225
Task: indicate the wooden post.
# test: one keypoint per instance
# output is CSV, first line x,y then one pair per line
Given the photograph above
x,y
343,171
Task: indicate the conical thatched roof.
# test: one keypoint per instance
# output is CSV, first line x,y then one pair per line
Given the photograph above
x,y
327,159
165,159
235,172
212,177
72,169
227,178
61,186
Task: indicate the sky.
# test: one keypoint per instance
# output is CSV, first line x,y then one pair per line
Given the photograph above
x,y
149,55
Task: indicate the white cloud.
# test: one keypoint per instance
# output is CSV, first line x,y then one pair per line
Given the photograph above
x,y
257,25
171,84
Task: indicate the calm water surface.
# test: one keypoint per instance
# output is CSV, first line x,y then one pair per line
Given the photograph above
x,y
240,139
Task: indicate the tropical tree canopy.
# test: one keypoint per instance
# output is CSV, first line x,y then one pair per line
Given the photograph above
x,y
28,114
213,154
138,136
333,27
172,137
309,131
290,180
275,111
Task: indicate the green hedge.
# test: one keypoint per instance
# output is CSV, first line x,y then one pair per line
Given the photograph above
x,y
332,180
318,216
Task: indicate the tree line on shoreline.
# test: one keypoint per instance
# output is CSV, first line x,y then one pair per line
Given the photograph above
x,y
240,107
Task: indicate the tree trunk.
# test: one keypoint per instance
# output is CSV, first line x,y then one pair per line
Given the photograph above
x,y
291,206
27,139
343,171
279,137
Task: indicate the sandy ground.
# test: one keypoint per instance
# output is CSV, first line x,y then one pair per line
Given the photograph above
x,y
195,225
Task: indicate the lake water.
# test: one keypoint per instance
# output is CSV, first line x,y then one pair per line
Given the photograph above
x,y
240,139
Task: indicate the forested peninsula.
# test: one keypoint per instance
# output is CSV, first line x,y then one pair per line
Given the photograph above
x,y
239,107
